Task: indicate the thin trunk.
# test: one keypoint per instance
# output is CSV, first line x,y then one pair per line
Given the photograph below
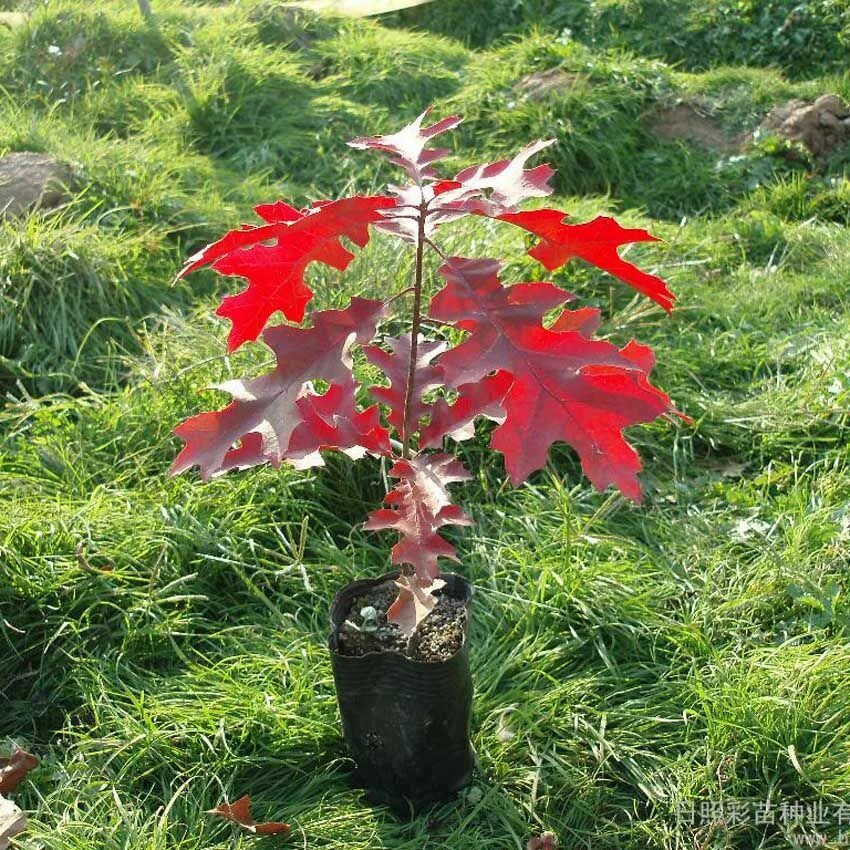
x,y
145,6
414,331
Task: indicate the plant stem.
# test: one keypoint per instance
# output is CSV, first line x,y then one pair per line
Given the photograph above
x,y
392,298
437,248
414,332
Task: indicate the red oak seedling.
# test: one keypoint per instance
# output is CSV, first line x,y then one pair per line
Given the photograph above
x,y
540,381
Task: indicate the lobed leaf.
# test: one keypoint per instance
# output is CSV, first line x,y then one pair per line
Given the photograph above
x,y
407,146
395,364
565,385
240,813
457,420
267,412
419,506
415,601
13,770
598,242
275,272
493,188
331,422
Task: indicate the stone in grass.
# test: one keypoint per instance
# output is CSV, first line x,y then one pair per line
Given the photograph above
x,y
12,19
31,181
12,822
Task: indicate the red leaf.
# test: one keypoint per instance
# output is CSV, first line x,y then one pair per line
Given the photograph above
x,y
565,385
240,813
244,236
415,601
475,300
509,182
395,364
584,321
481,398
595,241
14,769
275,272
420,505
256,427
332,421
407,146
279,211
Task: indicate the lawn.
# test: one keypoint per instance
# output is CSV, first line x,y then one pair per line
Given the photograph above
x,y
164,642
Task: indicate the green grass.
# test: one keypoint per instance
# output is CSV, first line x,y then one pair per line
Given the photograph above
x,y
626,660
803,38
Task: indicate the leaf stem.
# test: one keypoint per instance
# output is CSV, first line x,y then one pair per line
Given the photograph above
x,y
414,331
398,295
438,249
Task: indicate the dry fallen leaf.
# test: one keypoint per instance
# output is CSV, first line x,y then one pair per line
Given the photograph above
x,y
546,841
12,822
14,768
240,813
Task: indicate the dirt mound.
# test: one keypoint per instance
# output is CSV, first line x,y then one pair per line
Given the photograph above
x,y
821,126
682,121
30,180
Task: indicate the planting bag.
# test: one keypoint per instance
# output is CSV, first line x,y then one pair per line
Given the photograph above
x,y
406,722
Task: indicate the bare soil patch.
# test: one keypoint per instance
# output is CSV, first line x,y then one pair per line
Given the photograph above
x,y
541,84
821,126
683,121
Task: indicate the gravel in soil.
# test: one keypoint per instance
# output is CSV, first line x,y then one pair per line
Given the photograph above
x,y
438,637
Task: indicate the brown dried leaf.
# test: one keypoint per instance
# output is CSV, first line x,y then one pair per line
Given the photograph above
x,y
240,813
545,841
14,768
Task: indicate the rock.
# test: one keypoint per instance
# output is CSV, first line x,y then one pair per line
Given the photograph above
x,y
31,181
682,121
12,822
543,83
821,126
12,19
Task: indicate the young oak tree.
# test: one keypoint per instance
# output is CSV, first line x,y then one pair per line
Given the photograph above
x,y
541,381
